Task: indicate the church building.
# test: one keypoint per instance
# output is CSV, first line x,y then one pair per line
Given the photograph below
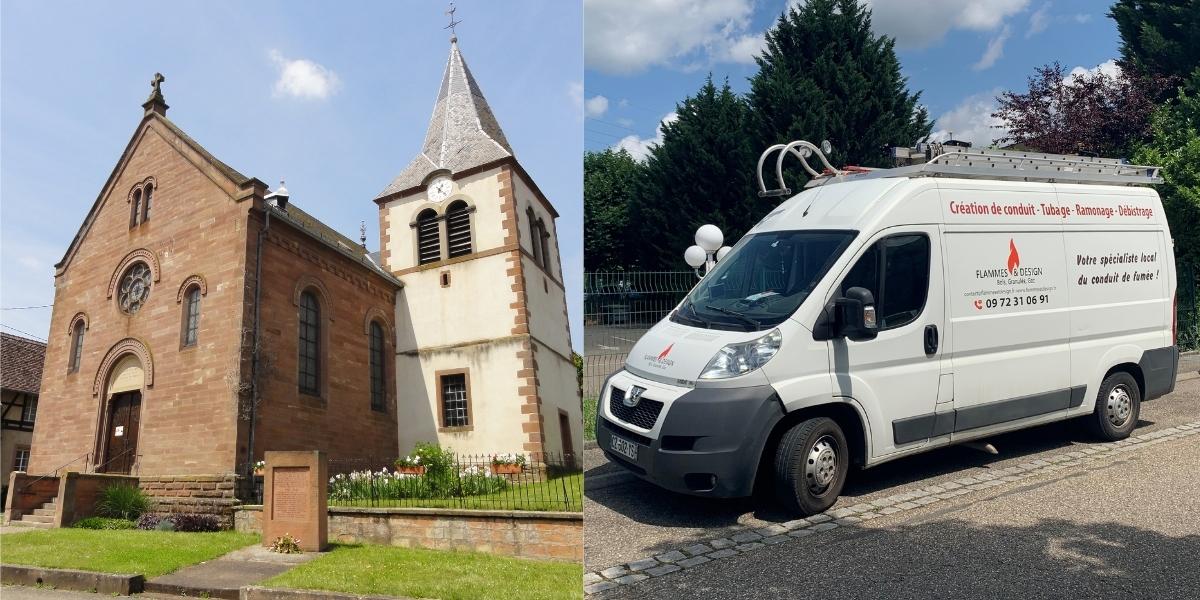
x,y
201,319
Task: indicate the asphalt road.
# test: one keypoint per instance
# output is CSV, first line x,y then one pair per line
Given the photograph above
x,y
628,519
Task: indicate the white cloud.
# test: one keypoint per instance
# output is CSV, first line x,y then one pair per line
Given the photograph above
x,y
1039,21
1081,18
303,78
595,106
575,93
638,146
995,49
1108,67
917,24
744,49
972,121
629,36
625,122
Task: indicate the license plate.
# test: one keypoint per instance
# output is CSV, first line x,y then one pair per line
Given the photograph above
x,y
623,447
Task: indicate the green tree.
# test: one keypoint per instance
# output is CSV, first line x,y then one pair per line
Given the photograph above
x,y
702,172
825,76
609,180
1175,146
1159,38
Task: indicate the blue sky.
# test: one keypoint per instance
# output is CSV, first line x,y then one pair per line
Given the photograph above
x,y
643,56
334,97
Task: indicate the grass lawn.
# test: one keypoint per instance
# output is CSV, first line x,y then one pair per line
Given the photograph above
x,y
421,573
561,493
150,553
589,419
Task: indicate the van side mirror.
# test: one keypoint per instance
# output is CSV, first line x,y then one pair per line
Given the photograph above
x,y
855,315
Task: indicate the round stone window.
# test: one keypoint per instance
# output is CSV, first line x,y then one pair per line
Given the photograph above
x,y
135,288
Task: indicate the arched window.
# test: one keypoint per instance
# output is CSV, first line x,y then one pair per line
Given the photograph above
x,y
76,347
147,196
458,229
543,244
191,316
535,244
310,344
378,369
429,237
135,207
134,288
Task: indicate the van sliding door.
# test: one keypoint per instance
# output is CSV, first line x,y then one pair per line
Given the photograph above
x,y
1011,333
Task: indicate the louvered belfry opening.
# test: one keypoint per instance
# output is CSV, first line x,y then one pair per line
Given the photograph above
x,y
458,229
429,239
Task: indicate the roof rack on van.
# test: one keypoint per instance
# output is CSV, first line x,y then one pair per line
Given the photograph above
x,y
941,160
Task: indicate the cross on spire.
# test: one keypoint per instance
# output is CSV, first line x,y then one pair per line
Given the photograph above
x,y
450,13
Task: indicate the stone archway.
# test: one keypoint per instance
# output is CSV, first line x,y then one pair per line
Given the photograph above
x,y
124,374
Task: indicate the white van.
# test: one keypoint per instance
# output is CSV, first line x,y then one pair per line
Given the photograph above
x,y
884,313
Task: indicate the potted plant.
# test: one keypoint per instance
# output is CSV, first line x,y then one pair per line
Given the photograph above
x,y
410,465
508,463
260,467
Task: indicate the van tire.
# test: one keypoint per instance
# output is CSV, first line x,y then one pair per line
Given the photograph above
x,y
811,462
1118,405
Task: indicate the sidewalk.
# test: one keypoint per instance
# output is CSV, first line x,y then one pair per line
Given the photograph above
x,y
1126,526
223,577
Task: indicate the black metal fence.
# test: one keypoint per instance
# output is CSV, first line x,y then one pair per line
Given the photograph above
x,y
529,481
1187,307
619,306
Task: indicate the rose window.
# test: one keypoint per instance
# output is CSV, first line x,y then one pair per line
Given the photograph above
x,y
135,288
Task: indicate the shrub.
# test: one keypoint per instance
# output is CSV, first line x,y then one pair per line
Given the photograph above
x,y
149,521
122,501
440,470
194,522
179,522
104,523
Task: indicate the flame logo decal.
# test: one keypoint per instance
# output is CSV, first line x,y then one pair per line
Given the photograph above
x,y
1014,259
666,352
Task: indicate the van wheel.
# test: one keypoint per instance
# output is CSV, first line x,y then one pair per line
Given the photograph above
x,y
811,462
1117,407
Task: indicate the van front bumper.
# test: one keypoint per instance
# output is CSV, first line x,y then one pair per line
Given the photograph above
x,y
709,442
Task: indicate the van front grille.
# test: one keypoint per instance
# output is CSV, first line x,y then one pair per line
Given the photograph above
x,y
644,415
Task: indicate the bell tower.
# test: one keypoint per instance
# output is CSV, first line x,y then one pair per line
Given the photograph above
x,y
483,346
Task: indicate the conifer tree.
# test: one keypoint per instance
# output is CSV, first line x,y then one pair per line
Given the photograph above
x,y
825,76
702,172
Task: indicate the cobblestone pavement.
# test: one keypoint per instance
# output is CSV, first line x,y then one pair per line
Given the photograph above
x,y
636,532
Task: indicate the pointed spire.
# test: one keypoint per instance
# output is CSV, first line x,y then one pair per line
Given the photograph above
x,y
155,103
463,132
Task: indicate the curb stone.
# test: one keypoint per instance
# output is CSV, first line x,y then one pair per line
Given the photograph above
x,y
750,540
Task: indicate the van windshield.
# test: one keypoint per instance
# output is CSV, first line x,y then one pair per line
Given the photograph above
x,y
763,280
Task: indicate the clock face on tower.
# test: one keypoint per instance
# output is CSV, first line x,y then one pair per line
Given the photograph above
x,y
440,188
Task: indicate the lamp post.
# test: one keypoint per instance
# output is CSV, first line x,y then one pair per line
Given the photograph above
x,y
707,251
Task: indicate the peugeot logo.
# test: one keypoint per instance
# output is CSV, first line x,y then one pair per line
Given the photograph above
x,y
633,396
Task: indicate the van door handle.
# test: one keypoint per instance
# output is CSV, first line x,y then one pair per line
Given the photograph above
x,y
931,340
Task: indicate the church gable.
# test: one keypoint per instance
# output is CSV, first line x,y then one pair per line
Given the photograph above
x,y
158,157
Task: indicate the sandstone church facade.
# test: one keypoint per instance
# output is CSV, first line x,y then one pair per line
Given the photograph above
x,y
201,319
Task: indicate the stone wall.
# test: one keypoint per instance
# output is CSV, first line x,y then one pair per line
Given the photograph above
x,y
79,492
27,492
525,534
201,494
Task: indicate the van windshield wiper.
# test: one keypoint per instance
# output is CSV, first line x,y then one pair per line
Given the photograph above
x,y
734,313
696,316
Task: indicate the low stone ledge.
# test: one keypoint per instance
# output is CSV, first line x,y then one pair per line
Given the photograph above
x,y
442,512
261,593
70,579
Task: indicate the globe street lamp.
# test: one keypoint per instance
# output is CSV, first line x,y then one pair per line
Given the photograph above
x,y
707,251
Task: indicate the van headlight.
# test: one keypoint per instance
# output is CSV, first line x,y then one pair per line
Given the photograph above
x,y
739,359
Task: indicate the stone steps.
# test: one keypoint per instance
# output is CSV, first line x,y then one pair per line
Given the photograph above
x,y
47,519
30,524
